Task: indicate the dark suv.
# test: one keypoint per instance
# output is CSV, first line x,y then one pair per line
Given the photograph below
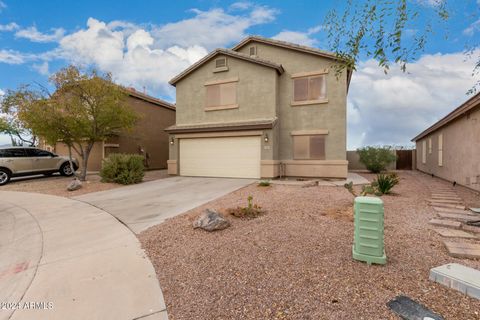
x,y
25,161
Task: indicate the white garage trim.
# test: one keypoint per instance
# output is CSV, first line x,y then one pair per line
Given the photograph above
x,y
229,157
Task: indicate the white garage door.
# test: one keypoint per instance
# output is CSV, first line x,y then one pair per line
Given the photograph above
x,y
232,157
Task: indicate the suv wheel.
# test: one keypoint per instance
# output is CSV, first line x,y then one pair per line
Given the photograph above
x,y
4,176
66,169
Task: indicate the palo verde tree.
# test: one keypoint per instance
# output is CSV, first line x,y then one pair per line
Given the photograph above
x,y
376,29
85,108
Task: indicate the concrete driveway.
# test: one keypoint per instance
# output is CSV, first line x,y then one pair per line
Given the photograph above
x,y
65,259
144,205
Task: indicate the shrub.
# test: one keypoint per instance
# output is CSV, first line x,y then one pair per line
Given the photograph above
x,y
349,187
385,182
123,168
264,183
250,211
376,159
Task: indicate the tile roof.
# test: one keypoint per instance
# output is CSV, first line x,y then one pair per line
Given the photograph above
x,y
137,94
231,53
226,126
286,44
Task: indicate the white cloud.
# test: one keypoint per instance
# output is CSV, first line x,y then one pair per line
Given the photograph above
x,y
13,57
150,56
34,35
303,38
242,5
393,108
9,27
2,93
211,29
472,28
430,3
2,6
42,68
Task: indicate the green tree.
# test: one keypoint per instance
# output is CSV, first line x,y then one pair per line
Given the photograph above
x,y
376,159
375,29
10,124
85,108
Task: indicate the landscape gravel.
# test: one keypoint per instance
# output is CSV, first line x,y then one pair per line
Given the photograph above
x,y
295,261
57,184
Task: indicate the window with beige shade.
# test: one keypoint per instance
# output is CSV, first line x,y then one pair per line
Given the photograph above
x,y
310,89
221,95
430,146
424,151
309,147
440,149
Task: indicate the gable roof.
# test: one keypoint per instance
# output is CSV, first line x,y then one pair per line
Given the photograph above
x,y
230,53
468,105
145,97
285,44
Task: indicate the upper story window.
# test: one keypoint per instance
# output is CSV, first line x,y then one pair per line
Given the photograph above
x,y
309,88
221,94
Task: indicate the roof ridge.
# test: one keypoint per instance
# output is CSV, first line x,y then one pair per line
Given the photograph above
x,y
231,53
285,44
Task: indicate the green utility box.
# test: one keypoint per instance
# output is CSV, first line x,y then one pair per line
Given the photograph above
x,y
368,233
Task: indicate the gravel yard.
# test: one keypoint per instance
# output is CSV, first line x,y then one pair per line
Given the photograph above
x,y
295,261
57,184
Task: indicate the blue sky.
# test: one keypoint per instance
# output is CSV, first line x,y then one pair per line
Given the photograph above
x,y
145,43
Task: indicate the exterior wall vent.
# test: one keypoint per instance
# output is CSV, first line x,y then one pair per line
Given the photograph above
x,y
253,51
220,62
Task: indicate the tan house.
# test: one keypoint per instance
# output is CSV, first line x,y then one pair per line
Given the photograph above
x,y
148,138
450,149
261,109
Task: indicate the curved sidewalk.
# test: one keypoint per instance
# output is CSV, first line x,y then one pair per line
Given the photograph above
x,y
65,259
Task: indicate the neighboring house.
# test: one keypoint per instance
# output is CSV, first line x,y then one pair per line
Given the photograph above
x,y
262,109
450,149
147,138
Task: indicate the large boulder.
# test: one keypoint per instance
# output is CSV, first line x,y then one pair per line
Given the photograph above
x,y
211,220
74,185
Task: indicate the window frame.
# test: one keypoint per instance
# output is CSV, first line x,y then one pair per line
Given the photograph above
x,y
424,151
440,150
308,137
309,76
219,83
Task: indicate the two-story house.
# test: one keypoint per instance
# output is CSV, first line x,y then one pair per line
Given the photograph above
x,y
259,110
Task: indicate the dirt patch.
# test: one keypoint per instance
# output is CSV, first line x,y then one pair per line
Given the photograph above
x,y
344,213
295,262
57,185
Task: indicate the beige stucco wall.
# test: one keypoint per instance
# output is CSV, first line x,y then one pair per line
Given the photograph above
x,y
263,94
330,116
461,151
256,93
